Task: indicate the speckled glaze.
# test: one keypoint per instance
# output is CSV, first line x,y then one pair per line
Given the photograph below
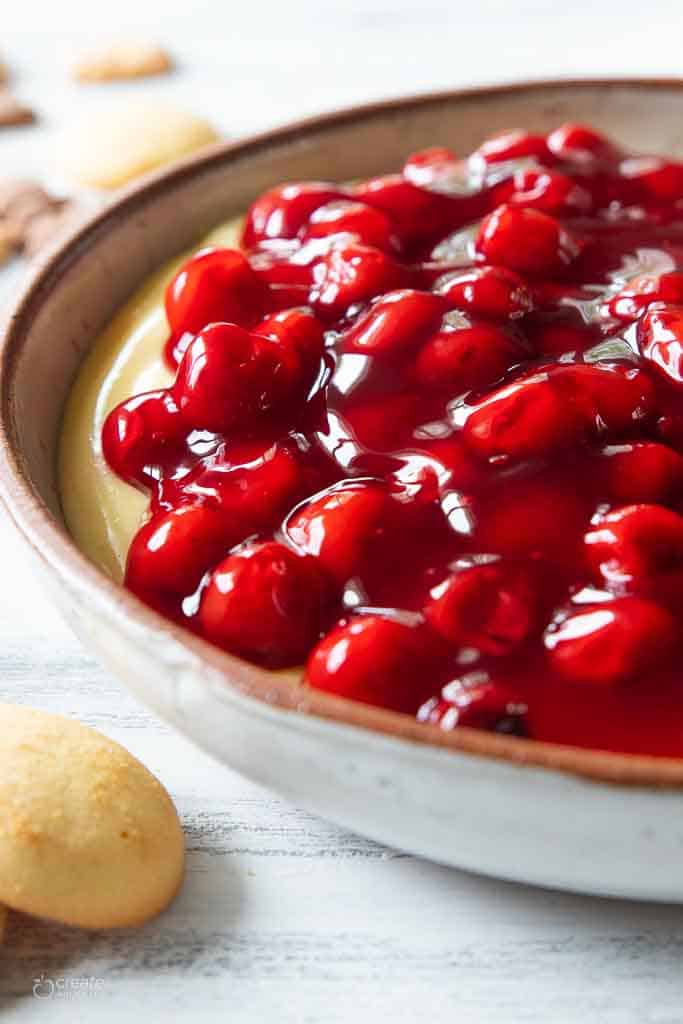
x,y
551,815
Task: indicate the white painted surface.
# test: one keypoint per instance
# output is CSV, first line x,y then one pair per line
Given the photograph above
x,y
282,916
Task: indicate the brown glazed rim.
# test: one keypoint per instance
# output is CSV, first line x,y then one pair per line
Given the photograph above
x,y
59,553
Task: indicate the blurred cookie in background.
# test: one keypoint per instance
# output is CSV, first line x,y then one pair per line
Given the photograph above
x,y
123,61
13,111
125,141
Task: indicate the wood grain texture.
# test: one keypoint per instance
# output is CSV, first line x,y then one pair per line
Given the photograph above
x,y
283,916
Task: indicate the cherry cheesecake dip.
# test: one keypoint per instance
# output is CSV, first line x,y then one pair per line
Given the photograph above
x,y
418,440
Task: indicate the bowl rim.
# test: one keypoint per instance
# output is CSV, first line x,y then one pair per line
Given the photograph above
x,y
60,555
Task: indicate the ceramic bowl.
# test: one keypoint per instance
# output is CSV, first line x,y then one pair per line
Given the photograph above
x,y
550,815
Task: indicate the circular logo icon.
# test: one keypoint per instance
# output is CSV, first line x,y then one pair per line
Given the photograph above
x,y
43,987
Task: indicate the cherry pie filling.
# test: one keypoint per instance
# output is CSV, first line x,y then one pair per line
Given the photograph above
x,y
426,439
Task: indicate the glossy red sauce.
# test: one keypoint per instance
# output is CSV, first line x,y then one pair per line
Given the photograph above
x,y
425,438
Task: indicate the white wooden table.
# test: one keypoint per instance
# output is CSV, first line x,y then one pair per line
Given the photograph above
x,y
282,916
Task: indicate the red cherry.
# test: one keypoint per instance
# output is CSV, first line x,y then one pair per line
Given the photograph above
x,y
477,702
514,145
548,191
286,270
287,267
349,275
615,399
641,472
375,659
525,240
171,552
339,526
253,483
522,420
264,603
227,378
492,292
297,330
488,606
612,643
214,284
418,215
660,338
577,143
556,409
637,546
435,168
142,434
395,322
640,292
283,211
368,225
531,519
661,180
465,354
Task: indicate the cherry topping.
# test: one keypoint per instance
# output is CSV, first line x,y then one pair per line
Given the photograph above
x,y
488,606
228,377
142,434
513,145
642,291
418,215
283,211
396,321
264,602
637,546
349,275
611,643
434,168
491,292
525,240
548,411
642,472
548,191
661,180
254,482
465,354
375,659
559,338
214,284
440,409
171,552
660,337
477,702
298,332
344,216
384,421
287,269
578,143
339,526
535,518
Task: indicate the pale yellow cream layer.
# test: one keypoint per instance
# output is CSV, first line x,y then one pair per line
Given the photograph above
x,y
103,513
